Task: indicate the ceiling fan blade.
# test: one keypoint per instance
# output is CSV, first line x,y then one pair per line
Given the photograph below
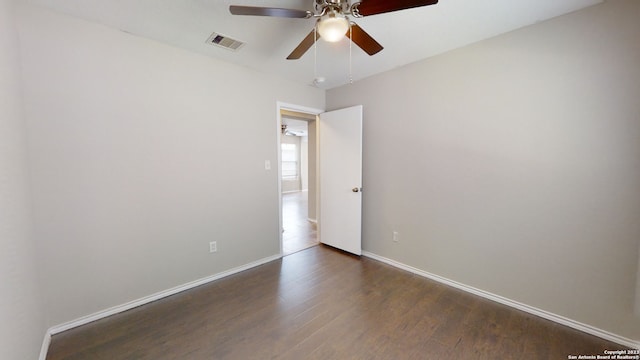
x,y
265,11
304,45
364,40
373,7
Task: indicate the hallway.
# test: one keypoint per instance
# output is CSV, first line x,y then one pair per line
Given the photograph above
x,y
299,233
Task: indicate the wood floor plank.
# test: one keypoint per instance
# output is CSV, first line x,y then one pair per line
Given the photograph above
x,y
322,303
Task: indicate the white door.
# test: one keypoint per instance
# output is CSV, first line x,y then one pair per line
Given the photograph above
x,y
340,169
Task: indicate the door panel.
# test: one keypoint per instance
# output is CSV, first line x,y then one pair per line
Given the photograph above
x,y
340,168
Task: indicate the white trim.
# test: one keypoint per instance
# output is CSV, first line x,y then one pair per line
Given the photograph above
x,y
298,108
512,303
291,192
312,220
45,345
157,296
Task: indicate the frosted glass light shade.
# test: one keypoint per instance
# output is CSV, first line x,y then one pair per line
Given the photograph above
x,y
333,28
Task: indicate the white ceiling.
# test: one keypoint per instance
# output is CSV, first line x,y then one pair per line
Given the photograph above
x,y
297,127
408,35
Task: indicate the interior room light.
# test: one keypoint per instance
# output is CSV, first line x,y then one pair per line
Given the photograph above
x,y
333,27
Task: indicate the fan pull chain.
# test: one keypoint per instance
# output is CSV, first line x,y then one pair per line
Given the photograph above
x,y
350,47
315,54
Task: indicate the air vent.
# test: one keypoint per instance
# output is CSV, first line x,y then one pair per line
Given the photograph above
x,y
224,41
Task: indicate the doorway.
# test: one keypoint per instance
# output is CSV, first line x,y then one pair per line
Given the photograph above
x,y
297,164
297,157
338,175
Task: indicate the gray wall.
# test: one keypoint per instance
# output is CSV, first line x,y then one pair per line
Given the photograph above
x,y
136,162
513,165
22,325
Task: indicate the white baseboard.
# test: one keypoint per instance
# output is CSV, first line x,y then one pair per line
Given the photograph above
x,y
633,344
157,296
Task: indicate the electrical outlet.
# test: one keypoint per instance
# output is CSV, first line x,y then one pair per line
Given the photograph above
x,y
213,247
396,236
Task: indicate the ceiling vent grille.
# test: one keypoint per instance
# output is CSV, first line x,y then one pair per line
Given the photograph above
x,y
224,41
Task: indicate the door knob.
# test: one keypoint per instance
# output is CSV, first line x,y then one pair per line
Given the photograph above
x,y
355,189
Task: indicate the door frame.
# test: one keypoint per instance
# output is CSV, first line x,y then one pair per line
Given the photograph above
x,y
299,108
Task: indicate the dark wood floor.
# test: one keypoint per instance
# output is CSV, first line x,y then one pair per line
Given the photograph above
x,y
321,303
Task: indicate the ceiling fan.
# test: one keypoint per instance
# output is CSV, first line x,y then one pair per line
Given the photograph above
x,y
333,21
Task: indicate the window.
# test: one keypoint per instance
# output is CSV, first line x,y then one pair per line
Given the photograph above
x,y
289,162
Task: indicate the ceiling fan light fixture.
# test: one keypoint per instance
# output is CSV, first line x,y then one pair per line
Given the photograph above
x,y
333,27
